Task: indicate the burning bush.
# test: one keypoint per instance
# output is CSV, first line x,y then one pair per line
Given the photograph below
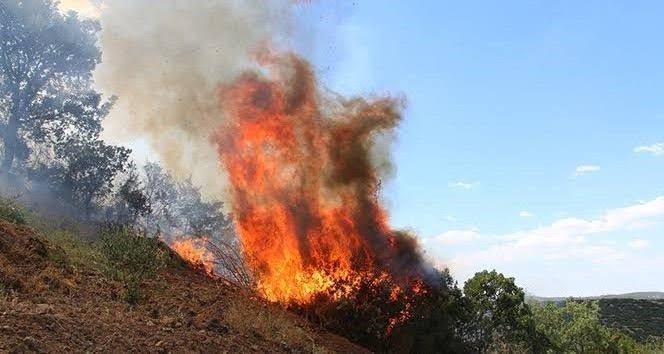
x,y
304,183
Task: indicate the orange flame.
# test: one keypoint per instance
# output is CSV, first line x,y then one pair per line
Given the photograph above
x,y
194,252
304,187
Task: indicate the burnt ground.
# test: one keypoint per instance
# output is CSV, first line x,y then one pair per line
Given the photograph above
x,y
48,304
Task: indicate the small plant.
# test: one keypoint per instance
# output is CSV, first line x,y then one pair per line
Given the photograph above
x,y
11,211
131,258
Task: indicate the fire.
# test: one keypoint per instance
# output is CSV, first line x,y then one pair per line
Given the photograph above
x,y
194,252
304,189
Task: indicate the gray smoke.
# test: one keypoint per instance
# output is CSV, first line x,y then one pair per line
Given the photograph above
x,y
165,59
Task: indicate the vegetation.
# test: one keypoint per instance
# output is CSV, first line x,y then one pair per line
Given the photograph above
x,y
641,319
131,258
12,212
498,313
75,253
576,328
491,315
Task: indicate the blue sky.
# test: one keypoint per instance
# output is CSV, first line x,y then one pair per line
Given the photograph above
x,y
518,149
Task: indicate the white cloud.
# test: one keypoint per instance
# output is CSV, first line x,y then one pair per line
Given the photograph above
x,y
584,169
463,185
564,240
455,237
526,214
638,244
656,149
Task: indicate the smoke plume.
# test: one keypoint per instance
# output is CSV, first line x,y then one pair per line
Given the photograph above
x,y
304,166
165,59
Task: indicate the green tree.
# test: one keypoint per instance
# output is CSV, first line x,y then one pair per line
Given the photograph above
x,y
129,202
46,64
435,323
497,313
87,170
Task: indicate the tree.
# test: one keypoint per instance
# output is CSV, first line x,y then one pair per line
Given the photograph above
x,y
498,313
89,170
576,327
179,208
130,202
46,64
436,321
78,165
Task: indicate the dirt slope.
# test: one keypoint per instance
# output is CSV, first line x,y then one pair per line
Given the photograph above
x,y
48,305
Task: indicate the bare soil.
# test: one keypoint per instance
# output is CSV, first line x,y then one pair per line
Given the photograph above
x,y
48,306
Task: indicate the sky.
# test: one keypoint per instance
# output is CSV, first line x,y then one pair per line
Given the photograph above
x,y
533,139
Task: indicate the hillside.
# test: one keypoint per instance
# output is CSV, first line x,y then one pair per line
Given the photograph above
x,y
640,314
640,295
53,298
640,318
644,295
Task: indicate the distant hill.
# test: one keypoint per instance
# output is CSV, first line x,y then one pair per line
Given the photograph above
x,y
644,295
641,295
641,314
640,318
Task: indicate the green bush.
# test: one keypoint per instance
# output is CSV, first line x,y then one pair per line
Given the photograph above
x,y
131,258
11,211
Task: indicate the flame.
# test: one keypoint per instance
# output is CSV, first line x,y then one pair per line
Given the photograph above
x,y
304,187
194,252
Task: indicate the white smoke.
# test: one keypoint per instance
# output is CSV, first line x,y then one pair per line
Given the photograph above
x,y
165,59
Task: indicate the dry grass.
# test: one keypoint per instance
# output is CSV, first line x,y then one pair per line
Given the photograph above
x,y
270,323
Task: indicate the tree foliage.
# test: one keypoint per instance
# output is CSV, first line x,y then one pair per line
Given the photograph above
x,y
50,116
576,327
46,64
130,202
498,313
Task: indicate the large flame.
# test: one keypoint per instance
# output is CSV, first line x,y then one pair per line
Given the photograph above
x,y
303,185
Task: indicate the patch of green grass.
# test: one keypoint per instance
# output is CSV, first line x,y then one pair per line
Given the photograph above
x,y
75,252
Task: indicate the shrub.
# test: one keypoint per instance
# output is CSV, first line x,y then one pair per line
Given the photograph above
x,y
652,345
11,211
381,320
131,258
